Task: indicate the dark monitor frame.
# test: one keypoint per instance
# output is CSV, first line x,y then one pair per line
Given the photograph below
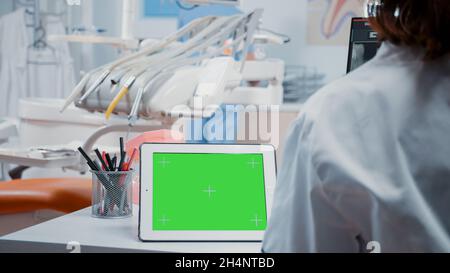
x,y
352,39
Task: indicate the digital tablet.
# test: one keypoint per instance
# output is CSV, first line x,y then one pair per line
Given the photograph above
x,y
205,192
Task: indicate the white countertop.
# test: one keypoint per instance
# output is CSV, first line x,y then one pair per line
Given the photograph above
x,y
104,235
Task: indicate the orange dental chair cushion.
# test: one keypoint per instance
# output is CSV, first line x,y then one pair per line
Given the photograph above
x,y
59,194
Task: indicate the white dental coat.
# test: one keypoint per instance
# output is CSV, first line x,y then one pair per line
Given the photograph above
x,y
27,72
368,159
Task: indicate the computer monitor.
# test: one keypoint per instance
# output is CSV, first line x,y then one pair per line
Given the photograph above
x,y
363,44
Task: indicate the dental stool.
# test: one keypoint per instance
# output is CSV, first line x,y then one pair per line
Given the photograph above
x,y
28,202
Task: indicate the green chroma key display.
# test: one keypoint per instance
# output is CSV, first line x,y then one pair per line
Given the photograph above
x,y
208,192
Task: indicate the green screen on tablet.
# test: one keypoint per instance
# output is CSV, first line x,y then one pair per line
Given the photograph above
x,y
208,192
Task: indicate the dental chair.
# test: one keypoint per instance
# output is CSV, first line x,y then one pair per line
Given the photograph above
x,y
28,202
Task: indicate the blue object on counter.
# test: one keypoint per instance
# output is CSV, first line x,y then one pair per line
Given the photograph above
x,y
221,128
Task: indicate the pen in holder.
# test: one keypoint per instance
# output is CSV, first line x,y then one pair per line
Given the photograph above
x,y
112,194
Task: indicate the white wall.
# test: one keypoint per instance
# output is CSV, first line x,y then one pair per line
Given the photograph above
x,y
290,17
106,14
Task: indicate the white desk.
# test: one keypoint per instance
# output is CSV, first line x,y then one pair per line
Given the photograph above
x,y
104,235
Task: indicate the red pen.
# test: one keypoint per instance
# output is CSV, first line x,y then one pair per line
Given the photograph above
x,y
104,157
130,162
126,167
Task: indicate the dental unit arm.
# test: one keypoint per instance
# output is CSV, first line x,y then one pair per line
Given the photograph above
x,y
169,73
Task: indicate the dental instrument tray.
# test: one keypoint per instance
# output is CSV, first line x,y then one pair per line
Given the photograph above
x,y
32,159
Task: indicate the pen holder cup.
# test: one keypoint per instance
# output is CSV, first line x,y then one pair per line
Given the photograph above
x,y
112,194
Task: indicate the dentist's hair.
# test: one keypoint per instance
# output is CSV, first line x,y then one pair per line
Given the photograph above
x,y
415,23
